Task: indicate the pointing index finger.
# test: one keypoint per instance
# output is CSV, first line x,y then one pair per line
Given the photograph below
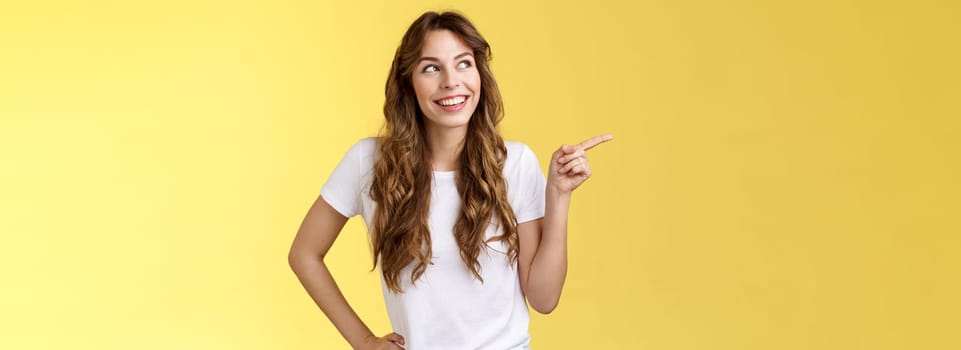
x,y
594,141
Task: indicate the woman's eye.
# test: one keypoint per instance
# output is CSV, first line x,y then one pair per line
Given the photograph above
x,y
433,68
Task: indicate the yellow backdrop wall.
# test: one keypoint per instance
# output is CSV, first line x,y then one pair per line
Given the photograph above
x,y
784,175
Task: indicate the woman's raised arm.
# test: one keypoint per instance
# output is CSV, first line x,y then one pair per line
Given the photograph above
x,y
543,242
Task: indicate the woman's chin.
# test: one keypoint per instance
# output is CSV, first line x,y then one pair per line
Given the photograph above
x,y
451,120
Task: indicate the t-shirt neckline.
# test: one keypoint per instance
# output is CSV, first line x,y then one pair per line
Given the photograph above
x,y
444,174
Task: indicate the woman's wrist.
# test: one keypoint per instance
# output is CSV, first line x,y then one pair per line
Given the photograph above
x,y
553,193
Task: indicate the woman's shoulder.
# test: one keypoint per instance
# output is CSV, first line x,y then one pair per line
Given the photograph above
x,y
367,142
362,153
364,147
518,153
516,148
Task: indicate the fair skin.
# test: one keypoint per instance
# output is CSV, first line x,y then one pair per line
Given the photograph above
x,y
447,69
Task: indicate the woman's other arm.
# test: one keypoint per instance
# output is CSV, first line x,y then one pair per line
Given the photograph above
x,y
317,233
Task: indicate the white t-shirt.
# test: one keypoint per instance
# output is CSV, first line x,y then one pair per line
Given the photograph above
x,y
448,308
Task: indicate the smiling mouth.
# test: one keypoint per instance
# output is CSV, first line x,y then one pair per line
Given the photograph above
x,y
453,104
452,101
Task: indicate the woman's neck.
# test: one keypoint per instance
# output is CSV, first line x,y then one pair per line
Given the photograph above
x,y
445,147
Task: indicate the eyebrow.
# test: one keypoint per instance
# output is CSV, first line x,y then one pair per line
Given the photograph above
x,y
427,58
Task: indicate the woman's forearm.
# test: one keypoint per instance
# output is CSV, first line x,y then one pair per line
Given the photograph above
x,y
549,267
317,280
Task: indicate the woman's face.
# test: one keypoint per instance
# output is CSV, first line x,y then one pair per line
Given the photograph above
x,y
446,80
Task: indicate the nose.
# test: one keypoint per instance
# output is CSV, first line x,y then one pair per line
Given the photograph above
x,y
451,80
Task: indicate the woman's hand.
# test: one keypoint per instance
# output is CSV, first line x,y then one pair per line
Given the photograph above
x,y
392,341
569,167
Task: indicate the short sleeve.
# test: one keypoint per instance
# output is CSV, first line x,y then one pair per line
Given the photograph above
x,y
532,187
343,187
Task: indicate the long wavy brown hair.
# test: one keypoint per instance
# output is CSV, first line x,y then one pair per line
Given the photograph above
x,y
402,175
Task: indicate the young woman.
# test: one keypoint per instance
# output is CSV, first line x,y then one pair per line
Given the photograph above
x,y
463,224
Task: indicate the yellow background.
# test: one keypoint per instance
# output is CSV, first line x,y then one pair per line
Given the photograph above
x,y
784,175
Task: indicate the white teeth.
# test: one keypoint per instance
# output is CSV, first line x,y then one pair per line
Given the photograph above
x,y
452,101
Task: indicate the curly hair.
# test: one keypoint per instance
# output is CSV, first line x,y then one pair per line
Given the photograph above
x,y
402,174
